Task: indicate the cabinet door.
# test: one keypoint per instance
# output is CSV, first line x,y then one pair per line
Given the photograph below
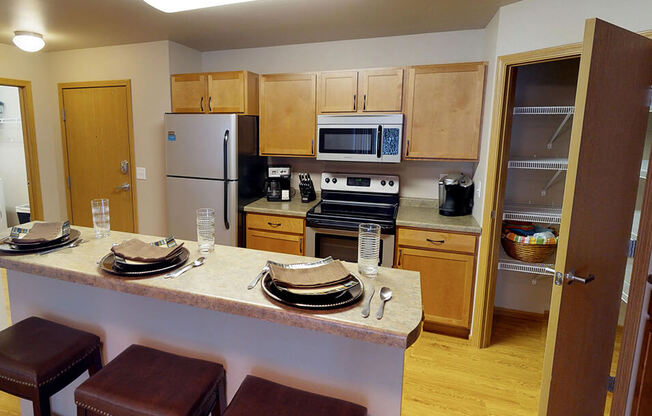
x,y
382,90
226,92
446,284
288,114
444,110
337,92
189,93
276,242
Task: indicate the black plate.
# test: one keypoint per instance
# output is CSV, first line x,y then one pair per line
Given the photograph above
x,y
126,267
14,249
106,264
336,301
19,243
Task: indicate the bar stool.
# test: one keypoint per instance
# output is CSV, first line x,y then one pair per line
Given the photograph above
x,y
257,396
39,357
142,381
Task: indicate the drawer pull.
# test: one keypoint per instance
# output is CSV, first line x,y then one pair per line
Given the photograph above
x,y
400,254
301,246
274,224
438,242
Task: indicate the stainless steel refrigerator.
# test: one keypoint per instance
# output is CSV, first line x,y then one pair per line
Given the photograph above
x,y
211,162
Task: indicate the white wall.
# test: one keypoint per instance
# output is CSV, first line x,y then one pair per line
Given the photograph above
x,y
183,59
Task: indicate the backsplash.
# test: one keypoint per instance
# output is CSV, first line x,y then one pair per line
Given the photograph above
x,y
418,179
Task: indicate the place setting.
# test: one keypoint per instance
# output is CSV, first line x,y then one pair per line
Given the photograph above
x,y
40,238
135,258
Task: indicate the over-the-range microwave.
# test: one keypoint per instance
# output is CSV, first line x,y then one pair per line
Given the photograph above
x,y
360,138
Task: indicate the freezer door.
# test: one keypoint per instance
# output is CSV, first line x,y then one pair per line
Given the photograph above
x,y
201,145
185,196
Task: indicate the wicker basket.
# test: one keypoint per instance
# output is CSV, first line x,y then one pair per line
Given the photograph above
x,y
530,253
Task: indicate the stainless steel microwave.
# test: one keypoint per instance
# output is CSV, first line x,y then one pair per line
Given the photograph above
x,y
360,138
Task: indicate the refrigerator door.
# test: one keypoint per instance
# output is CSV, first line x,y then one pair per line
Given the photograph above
x,y
201,146
185,196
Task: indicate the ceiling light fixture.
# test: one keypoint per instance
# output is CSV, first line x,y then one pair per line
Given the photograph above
x,y
173,6
28,41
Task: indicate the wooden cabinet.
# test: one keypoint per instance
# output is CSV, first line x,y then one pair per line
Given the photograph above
x,y
377,90
288,114
276,233
215,92
446,262
444,111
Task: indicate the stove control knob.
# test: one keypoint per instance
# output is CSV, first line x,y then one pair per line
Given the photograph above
x,y
327,180
391,183
383,182
334,180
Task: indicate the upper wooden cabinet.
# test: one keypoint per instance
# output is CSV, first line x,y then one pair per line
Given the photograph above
x,y
443,111
288,114
377,90
215,92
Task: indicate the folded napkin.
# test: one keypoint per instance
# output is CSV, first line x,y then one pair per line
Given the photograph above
x,y
138,250
326,275
41,232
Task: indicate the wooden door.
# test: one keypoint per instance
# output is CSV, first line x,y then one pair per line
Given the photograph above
x,y
276,242
189,93
288,114
337,92
607,138
643,394
97,140
444,111
382,90
446,284
226,92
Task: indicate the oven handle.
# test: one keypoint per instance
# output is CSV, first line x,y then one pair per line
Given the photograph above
x,y
379,142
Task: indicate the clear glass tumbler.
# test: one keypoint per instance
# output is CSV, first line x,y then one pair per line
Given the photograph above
x,y
368,249
206,229
101,217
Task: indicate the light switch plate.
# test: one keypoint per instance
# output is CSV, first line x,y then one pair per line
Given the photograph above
x,y
141,173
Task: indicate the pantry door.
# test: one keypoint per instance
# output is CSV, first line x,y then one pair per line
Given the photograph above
x,y
607,139
98,151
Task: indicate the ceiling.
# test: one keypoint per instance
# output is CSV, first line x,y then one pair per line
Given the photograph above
x,y
72,24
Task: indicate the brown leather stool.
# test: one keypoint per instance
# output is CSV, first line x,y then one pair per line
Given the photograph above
x,y
39,357
143,381
257,396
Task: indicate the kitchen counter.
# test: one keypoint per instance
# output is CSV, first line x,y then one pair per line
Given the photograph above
x,y
293,208
424,213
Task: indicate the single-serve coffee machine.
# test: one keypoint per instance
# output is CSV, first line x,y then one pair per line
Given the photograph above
x,y
277,184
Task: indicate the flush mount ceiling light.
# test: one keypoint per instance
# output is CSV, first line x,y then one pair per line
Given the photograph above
x,y
173,6
28,41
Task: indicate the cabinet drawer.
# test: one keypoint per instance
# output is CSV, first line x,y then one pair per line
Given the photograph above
x,y
436,240
276,242
275,223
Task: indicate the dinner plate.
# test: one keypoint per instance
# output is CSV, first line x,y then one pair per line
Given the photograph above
x,y
337,300
107,262
10,248
129,265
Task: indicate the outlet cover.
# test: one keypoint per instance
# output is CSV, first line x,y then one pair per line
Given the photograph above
x,y
141,173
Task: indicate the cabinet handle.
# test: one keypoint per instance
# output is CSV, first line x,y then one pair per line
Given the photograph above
x,y
312,146
407,151
201,104
364,102
209,104
355,96
400,254
301,245
438,242
274,224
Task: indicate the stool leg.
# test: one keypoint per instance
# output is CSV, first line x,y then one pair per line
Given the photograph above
x,y
81,411
221,396
96,362
41,405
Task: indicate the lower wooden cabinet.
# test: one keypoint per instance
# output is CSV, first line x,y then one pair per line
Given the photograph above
x,y
447,277
276,233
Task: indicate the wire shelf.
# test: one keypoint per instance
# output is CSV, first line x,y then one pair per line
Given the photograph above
x,y
545,110
545,164
510,264
7,120
532,213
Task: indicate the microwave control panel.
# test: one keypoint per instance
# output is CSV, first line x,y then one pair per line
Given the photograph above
x,y
353,182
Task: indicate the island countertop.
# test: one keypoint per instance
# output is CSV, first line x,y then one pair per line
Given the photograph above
x,y
221,285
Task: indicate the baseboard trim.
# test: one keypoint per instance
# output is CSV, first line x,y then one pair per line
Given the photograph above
x,y
515,313
446,330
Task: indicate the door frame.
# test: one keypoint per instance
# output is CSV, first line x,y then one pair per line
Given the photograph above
x,y
130,124
29,143
483,310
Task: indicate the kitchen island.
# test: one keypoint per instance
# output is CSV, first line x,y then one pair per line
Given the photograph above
x,y
208,313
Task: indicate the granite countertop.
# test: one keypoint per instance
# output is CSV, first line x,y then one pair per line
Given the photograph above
x,y
293,208
423,213
221,285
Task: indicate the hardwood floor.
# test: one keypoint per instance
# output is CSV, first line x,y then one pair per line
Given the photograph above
x,y
444,376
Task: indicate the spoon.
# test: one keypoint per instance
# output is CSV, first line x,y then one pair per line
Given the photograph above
x,y
385,295
181,271
367,306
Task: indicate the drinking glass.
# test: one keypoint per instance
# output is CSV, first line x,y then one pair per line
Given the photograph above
x,y
101,217
206,229
368,249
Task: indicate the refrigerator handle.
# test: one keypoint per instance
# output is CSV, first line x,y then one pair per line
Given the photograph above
x,y
226,179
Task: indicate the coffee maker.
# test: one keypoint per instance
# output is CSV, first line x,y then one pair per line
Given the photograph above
x,y
455,195
277,184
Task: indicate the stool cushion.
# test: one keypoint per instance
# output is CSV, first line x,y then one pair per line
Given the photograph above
x,y
144,381
33,352
257,396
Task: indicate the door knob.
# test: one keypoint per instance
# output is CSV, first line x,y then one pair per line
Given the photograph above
x,y
570,277
124,187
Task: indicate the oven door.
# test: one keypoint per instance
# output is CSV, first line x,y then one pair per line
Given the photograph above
x,y
343,245
350,142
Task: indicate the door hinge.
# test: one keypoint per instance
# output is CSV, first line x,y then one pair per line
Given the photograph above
x,y
631,248
611,384
63,114
68,182
493,214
